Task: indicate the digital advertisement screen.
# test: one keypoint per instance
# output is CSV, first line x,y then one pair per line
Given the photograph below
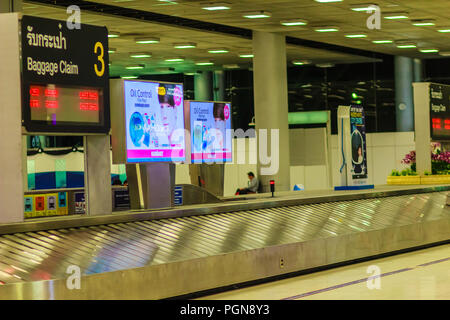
x,y
209,139
154,118
56,104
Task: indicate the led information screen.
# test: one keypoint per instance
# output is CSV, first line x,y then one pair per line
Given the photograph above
x,y
440,112
154,118
65,77
210,123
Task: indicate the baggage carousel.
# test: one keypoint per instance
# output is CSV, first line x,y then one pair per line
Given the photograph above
x,y
167,253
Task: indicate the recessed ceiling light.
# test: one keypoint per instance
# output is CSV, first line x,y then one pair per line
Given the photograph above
x,y
445,53
216,6
406,45
300,62
326,29
174,59
204,63
135,67
113,34
186,45
429,50
246,55
140,55
231,66
356,35
294,22
129,77
423,23
362,7
326,1
147,40
325,65
382,41
444,30
112,50
396,15
257,14
218,50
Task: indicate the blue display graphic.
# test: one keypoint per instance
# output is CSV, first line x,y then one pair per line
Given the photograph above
x,y
136,128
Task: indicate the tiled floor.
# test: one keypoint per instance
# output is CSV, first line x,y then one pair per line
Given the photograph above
x,y
423,274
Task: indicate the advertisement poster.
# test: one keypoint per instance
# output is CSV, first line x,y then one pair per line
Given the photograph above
x,y
358,146
209,124
154,122
80,202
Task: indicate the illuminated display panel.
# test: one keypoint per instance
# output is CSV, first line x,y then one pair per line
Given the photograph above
x,y
56,104
154,118
210,132
439,112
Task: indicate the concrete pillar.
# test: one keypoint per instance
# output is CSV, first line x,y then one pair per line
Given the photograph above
x,y
11,156
219,85
203,84
97,175
404,75
271,106
418,70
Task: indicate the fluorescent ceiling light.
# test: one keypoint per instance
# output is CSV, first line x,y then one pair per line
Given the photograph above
x,y
382,41
216,6
257,14
174,59
327,1
423,23
396,15
147,40
246,55
218,50
326,29
294,22
129,77
362,7
325,65
135,67
231,66
187,45
406,45
300,62
444,30
429,50
113,34
359,35
140,55
204,63
445,53
112,50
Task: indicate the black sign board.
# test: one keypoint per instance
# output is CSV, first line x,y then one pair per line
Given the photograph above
x,y
65,77
440,112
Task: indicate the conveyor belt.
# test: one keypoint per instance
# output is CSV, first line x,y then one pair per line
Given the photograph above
x,y
45,255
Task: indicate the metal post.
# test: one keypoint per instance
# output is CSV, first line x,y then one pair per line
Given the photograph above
x,y
404,94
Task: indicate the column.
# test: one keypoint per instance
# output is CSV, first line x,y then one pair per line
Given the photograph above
x,y
404,75
271,104
203,84
418,70
97,175
11,144
219,85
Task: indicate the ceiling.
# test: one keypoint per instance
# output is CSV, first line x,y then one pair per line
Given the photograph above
x,y
317,14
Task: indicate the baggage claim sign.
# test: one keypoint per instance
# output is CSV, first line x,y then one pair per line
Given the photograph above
x,y
65,77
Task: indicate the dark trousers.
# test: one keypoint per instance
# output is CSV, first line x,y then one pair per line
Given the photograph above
x,y
245,191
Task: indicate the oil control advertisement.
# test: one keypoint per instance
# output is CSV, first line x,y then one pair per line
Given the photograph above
x,y
154,119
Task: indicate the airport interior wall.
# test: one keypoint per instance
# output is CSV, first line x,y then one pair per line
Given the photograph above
x,y
384,152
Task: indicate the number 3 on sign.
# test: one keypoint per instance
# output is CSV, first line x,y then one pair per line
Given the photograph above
x,y
100,72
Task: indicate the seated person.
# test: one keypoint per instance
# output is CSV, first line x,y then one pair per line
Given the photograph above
x,y
253,185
